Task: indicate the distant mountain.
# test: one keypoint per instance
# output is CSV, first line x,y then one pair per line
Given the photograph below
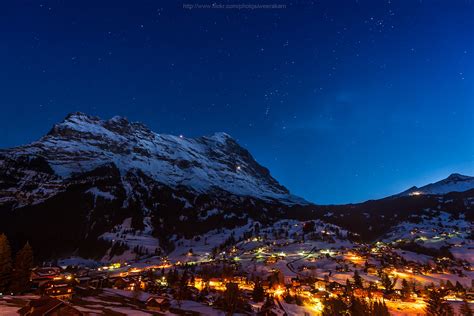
x,y
374,218
454,183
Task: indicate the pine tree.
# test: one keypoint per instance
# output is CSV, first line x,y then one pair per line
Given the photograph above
x,y
380,309
359,307
376,308
436,306
449,285
406,289
5,263
357,280
231,297
459,287
334,307
465,309
388,283
22,269
258,293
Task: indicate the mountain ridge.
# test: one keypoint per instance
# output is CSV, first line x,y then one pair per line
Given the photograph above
x,y
455,182
81,143
87,179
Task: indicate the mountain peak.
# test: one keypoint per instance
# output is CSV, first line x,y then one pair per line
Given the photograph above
x,y
458,177
81,143
80,125
221,137
455,182
78,115
119,120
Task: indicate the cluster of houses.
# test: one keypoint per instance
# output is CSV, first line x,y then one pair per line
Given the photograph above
x,y
58,286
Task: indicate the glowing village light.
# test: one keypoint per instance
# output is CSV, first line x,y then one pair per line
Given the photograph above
x,y
279,291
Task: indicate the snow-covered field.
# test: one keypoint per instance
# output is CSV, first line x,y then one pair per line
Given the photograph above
x,y
433,231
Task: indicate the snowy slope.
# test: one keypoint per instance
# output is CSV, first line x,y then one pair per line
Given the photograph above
x,y
454,183
433,230
82,143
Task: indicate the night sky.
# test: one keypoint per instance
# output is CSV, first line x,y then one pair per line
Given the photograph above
x,y
343,101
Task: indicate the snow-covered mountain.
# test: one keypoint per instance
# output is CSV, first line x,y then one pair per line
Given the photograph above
x,y
97,188
454,183
82,143
100,175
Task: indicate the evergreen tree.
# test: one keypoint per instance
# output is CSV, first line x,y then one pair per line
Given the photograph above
x,y
379,309
459,287
358,307
449,285
388,283
465,309
5,263
231,297
181,291
357,280
348,288
334,307
406,289
436,306
258,293
172,277
22,269
269,303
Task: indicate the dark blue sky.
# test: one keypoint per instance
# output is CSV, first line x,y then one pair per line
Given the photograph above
x,y
342,100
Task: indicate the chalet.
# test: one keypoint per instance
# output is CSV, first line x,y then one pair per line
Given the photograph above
x,y
365,293
58,289
122,283
91,281
271,260
295,282
48,306
372,270
321,295
41,275
158,304
320,284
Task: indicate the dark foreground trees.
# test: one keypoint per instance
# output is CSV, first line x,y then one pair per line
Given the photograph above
x,y
22,269
437,306
354,307
5,263
14,277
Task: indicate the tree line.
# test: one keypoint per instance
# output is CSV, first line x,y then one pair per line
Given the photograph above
x,y
14,274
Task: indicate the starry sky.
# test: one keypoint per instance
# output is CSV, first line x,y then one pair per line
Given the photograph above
x,y
343,101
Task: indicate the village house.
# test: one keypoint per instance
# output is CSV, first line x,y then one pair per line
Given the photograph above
x,y
48,306
41,275
59,289
158,304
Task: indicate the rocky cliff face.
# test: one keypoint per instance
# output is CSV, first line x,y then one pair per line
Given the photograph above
x,y
82,143
87,176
